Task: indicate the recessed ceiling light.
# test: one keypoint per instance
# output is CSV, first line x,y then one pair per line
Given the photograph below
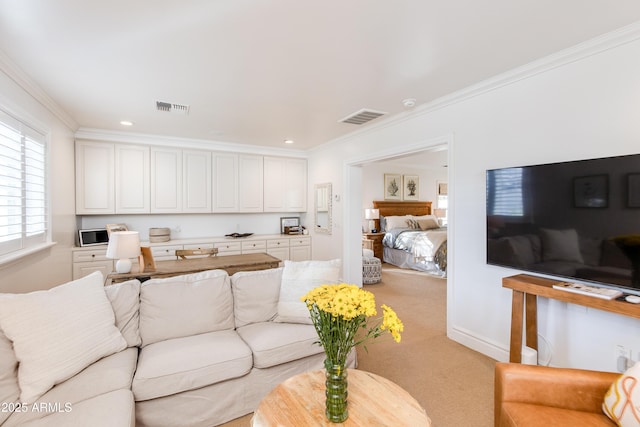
x,y
126,123
288,141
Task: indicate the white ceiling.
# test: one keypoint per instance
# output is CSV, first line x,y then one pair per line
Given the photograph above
x,y
258,72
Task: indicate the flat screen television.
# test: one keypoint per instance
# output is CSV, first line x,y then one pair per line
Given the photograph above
x,y
577,220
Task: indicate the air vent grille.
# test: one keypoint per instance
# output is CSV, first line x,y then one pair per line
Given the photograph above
x,y
170,107
363,116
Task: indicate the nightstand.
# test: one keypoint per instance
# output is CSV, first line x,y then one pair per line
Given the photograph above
x,y
373,241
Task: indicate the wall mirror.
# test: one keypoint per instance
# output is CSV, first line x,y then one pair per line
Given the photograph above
x,y
323,196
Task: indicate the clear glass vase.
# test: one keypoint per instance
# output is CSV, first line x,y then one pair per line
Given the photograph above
x,y
336,392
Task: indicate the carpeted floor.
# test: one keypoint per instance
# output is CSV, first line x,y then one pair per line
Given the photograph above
x,y
453,383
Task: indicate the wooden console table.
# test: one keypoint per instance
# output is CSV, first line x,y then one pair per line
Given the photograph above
x,y
230,263
524,308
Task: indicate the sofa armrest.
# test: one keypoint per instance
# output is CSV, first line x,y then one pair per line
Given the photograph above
x,y
575,389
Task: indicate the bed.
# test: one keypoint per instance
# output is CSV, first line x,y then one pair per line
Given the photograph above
x,y
412,239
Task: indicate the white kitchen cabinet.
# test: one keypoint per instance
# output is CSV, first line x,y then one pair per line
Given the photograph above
x,y
278,248
250,183
166,180
225,182
254,246
300,248
165,252
285,184
87,261
196,181
95,192
132,179
228,248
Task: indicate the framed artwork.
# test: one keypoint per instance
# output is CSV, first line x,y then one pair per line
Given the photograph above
x,y
392,186
288,222
116,227
443,189
410,187
633,190
591,191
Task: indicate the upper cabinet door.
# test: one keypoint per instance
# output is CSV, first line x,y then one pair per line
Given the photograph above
x,y
196,195
132,179
250,183
166,180
95,193
225,182
285,184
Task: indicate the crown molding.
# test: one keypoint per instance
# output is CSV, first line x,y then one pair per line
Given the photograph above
x,y
594,46
15,73
169,141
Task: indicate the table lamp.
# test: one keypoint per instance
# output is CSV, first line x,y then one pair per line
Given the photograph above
x,y
122,246
371,215
441,214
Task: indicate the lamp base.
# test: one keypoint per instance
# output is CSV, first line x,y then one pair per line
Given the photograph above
x,y
372,226
123,266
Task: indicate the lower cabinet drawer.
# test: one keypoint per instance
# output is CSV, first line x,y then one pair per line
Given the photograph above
x,y
277,243
254,245
300,241
165,252
228,247
91,255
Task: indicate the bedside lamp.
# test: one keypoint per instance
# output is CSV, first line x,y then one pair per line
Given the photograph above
x,y
441,214
122,246
371,215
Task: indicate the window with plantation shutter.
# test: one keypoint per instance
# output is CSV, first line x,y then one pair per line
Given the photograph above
x,y
505,192
24,219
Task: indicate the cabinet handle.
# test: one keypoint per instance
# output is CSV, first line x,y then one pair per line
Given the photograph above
x,y
93,255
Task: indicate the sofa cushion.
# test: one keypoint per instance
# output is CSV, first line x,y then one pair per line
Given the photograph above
x,y
185,305
276,343
298,278
125,301
188,363
623,398
109,374
9,390
255,295
50,344
115,408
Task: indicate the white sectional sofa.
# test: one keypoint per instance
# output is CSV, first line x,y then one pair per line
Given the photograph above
x,y
193,350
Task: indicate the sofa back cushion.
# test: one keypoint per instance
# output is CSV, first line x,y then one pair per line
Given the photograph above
x,y
255,295
125,301
9,389
185,305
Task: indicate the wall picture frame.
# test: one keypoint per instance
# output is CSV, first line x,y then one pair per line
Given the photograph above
x,y
116,227
591,191
410,187
392,186
287,222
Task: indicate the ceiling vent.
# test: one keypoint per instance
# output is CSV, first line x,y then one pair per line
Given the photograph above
x,y
363,116
172,108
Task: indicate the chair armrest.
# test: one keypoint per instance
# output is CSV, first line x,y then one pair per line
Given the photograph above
x,y
575,389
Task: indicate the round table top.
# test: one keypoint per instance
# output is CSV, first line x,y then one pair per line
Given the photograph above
x,y
372,401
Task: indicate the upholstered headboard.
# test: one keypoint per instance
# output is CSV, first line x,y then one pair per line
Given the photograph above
x,y
392,208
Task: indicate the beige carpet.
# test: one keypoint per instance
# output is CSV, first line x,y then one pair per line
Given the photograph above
x,y
454,384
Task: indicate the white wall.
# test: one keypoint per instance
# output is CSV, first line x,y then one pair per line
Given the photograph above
x,y
582,103
47,268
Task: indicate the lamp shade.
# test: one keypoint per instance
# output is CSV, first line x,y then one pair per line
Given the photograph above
x,y
440,213
122,246
372,214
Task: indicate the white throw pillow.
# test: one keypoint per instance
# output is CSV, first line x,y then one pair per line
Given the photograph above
x,y
125,300
298,278
392,222
59,332
255,295
623,398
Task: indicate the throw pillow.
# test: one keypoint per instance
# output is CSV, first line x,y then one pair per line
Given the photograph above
x,y
298,278
427,224
9,389
392,222
59,332
623,398
125,301
255,295
560,245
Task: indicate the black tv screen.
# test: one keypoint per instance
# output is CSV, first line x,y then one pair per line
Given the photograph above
x,y
578,220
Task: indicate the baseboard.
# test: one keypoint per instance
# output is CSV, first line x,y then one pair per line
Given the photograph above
x,y
487,348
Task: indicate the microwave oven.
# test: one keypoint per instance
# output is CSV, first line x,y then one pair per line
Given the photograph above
x,y
93,237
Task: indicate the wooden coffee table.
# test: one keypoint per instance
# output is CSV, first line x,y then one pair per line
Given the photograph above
x,y
373,401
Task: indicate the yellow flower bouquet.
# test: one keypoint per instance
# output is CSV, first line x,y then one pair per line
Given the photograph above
x,y
338,312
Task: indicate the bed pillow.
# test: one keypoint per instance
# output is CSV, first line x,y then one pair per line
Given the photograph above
x,y
427,223
560,245
59,332
623,398
392,222
298,278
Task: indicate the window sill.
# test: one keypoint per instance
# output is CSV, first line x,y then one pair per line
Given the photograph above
x,y
18,255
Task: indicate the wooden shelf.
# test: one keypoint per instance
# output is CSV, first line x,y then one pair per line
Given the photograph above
x,y
524,308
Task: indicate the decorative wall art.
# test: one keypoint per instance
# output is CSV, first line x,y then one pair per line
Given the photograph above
x,y
410,187
392,186
591,191
633,190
